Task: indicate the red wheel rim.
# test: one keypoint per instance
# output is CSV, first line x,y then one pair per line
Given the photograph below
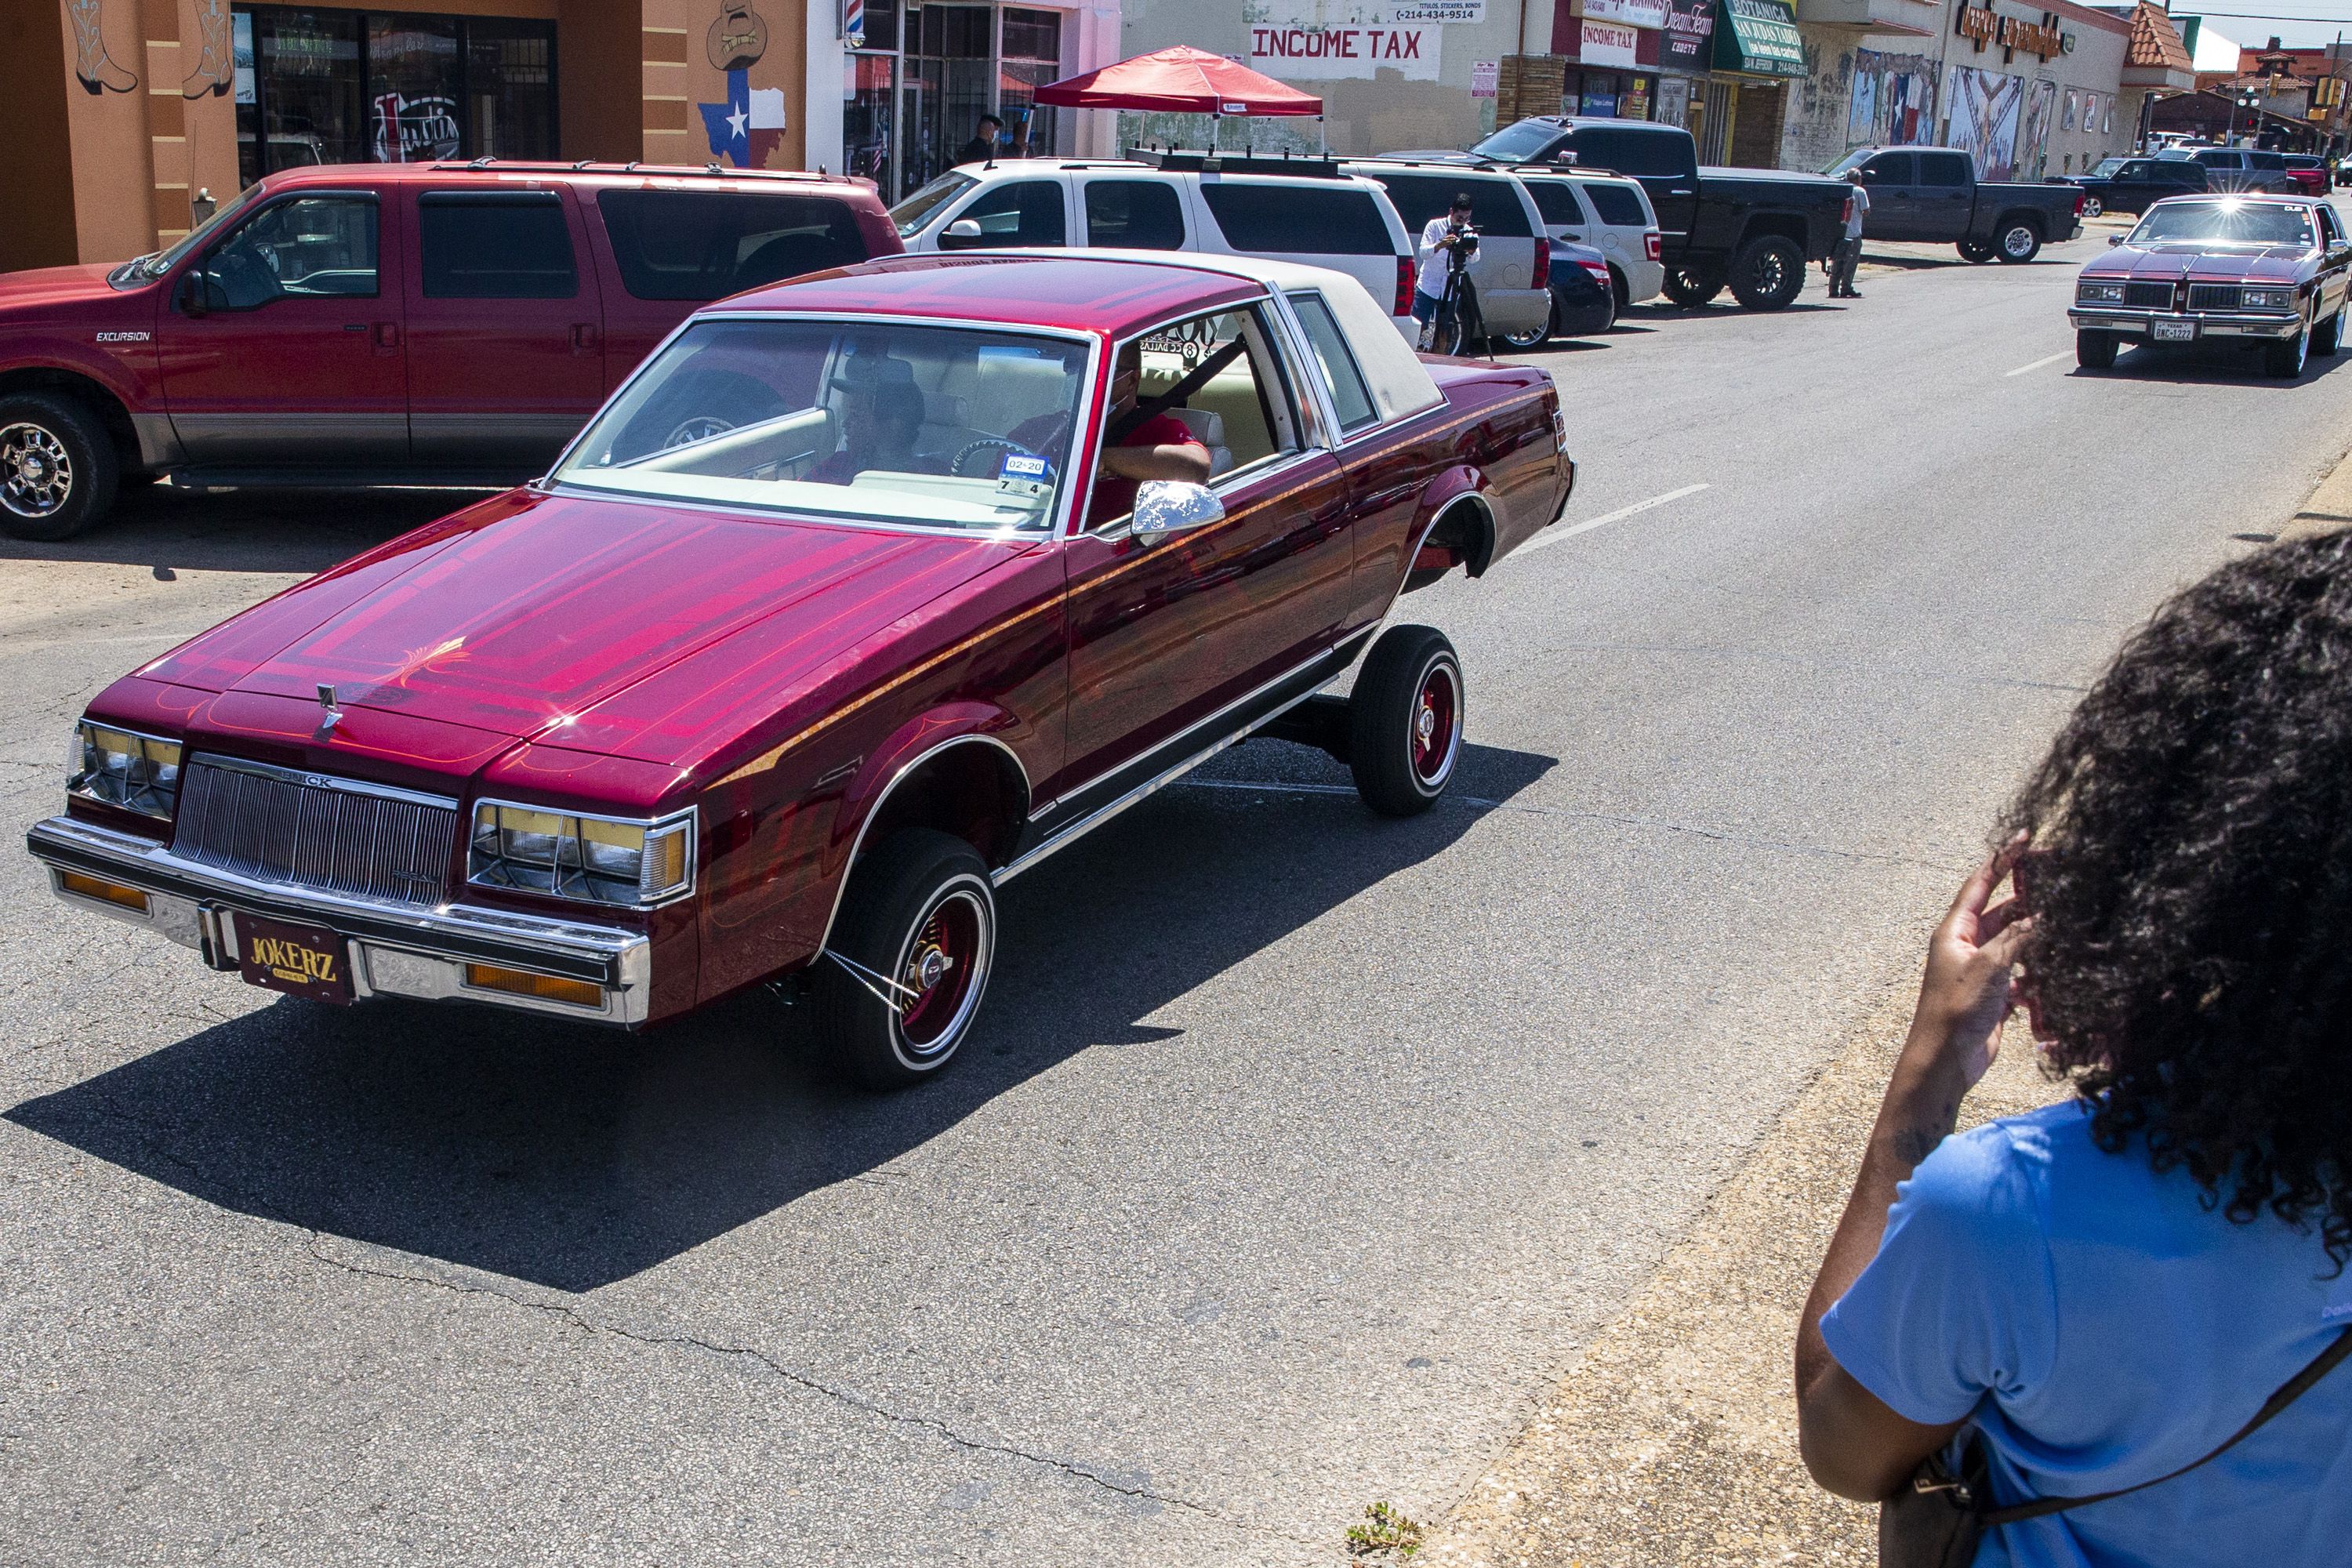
x,y
1436,723
941,972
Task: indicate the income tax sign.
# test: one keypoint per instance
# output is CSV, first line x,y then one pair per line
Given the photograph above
x,y
1341,41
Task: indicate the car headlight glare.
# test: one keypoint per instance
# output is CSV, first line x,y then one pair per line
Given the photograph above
x,y
2100,293
596,859
2266,299
125,769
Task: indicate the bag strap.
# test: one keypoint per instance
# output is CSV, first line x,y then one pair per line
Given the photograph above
x,y
2292,1390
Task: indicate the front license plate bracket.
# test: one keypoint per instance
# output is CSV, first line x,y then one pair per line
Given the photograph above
x,y
300,960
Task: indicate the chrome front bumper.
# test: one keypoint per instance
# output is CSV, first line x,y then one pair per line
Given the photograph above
x,y
394,950
2210,324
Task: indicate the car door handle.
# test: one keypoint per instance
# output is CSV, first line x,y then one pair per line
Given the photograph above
x,y
387,337
583,337
355,326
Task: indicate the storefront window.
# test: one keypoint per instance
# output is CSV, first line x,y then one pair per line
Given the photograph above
x,y
1033,57
348,87
1635,102
1599,95
867,94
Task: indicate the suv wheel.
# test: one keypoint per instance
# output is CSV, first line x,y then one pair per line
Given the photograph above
x,y
1535,337
901,978
57,467
1768,273
2019,241
1692,287
2091,208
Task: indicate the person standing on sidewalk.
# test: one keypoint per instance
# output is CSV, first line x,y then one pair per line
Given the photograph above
x,y
1848,254
2104,1294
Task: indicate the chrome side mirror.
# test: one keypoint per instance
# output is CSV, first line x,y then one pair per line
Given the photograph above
x,y
1163,507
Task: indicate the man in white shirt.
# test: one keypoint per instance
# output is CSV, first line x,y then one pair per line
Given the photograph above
x,y
1849,250
1436,250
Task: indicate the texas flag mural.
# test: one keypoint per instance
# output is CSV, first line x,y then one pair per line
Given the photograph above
x,y
748,126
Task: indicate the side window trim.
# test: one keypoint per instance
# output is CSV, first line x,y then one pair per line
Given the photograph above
x,y
201,266
1311,369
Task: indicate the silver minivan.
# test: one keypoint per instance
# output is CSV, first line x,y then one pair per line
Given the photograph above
x,y
1514,257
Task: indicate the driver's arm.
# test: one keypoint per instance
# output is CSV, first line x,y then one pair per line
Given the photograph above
x,y
1183,460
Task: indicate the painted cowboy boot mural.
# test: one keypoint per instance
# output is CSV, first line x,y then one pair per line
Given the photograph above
x,y
93,66
213,65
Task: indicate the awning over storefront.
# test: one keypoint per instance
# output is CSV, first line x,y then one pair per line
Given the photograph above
x,y
1758,37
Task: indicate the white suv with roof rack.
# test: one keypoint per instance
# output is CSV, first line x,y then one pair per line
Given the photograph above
x,y
1281,209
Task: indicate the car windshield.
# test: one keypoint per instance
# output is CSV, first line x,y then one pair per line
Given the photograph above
x,y
2225,222
916,210
942,427
141,269
2107,166
1517,143
1853,160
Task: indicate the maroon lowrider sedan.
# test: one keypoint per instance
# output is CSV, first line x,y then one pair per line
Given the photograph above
x,y
2259,270
823,630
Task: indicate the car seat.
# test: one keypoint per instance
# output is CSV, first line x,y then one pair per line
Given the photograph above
x,y
1208,427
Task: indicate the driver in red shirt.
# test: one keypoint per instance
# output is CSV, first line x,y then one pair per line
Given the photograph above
x,y
1161,448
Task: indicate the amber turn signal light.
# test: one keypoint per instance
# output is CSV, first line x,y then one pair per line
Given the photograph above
x,y
104,892
522,982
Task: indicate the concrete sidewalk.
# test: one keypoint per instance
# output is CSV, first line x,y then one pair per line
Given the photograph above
x,y
1671,1440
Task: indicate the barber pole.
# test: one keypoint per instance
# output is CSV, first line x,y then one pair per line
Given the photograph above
x,y
853,23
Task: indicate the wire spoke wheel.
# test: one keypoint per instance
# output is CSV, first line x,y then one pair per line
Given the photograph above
x,y
941,970
36,472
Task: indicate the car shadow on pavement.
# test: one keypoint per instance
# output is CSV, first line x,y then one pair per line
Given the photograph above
x,y
2204,365
571,1157
164,527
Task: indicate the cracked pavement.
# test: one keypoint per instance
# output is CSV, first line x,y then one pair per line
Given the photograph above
x,y
1299,1154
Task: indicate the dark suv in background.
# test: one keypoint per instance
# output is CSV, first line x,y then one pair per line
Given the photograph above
x,y
375,323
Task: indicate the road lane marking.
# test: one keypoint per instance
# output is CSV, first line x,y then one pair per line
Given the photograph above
x,y
2037,365
1556,536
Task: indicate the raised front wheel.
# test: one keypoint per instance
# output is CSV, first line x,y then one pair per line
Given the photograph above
x,y
1404,720
901,979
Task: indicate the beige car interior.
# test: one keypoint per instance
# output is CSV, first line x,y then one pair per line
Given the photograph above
x,y
1228,415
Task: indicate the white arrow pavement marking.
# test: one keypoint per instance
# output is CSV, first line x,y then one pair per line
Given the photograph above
x,y
1551,537
2037,365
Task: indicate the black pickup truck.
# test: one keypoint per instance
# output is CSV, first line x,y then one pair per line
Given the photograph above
x,y
1754,229
1933,193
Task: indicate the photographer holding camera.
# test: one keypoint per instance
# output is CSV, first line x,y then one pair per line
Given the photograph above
x,y
1446,247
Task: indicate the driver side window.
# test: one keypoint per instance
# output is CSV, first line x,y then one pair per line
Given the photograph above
x,y
312,245
1216,376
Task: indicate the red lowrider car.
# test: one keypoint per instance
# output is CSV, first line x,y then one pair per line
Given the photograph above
x,y
2266,272
824,629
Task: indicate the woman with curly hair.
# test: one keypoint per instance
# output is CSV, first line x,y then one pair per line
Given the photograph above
x,y
2092,1297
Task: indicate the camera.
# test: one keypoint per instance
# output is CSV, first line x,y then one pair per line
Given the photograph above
x,y
1465,242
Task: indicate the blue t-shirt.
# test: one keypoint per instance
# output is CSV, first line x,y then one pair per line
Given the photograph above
x,y
2102,1328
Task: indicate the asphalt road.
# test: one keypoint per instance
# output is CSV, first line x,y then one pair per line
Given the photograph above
x,y
1297,1150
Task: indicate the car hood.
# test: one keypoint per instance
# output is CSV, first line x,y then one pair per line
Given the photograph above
x,y
2169,259
518,616
45,288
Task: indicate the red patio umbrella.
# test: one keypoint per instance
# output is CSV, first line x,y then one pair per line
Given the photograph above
x,y
1180,79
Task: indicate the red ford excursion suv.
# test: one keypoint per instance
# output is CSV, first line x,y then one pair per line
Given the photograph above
x,y
441,323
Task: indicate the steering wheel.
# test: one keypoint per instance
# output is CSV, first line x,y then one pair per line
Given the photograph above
x,y
700,428
985,444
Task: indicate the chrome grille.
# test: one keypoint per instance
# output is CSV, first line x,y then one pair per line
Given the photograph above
x,y
2149,296
2213,296
276,824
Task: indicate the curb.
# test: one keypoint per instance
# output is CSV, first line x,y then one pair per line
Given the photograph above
x,y
2328,507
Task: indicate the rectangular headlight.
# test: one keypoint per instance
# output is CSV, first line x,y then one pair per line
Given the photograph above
x,y
596,859
2266,299
123,768
2100,293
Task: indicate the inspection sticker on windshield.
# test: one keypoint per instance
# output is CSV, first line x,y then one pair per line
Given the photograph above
x,y
1024,473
